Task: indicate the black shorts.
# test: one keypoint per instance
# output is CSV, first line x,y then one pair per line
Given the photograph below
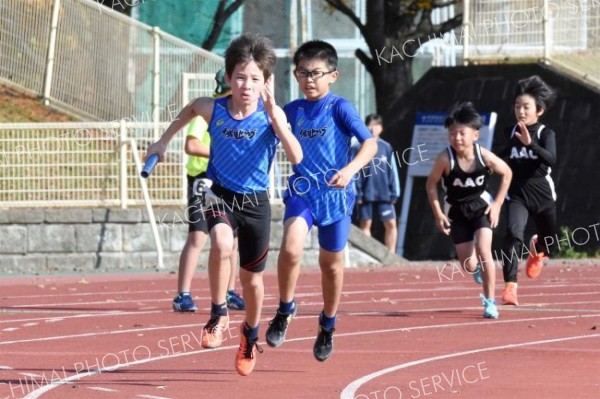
x,y
466,218
195,210
250,214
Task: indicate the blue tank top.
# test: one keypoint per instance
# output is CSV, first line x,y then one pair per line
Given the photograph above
x,y
241,151
325,144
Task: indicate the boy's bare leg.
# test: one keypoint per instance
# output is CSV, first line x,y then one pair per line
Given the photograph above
x,y
219,265
189,259
365,226
254,293
391,234
290,256
233,259
332,279
483,246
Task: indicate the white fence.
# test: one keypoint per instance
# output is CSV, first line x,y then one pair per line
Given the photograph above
x,y
562,32
94,62
91,164
82,164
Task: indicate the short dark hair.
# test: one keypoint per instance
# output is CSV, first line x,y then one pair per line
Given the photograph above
x,y
464,114
534,86
317,49
251,47
373,118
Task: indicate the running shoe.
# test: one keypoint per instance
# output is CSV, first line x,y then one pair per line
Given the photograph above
x,y
278,327
245,359
184,303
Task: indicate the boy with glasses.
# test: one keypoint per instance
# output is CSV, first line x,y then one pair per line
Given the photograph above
x,y
318,192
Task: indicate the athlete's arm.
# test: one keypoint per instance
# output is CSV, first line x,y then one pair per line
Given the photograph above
x,y
546,151
193,140
393,178
441,165
194,147
500,167
351,123
201,106
290,144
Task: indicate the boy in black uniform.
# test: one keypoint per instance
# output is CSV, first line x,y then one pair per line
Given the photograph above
x,y
531,154
464,168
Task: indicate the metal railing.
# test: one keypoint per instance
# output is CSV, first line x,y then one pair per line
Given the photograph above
x,y
91,164
561,32
94,62
83,164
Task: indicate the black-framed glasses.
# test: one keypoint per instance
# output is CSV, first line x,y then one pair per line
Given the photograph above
x,y
314,75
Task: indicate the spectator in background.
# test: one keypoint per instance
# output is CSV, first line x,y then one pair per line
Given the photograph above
x,y
378,187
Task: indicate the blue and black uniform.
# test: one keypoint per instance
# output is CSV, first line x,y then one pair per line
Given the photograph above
x,y
378,184
324,129
241,153
466,193
531,192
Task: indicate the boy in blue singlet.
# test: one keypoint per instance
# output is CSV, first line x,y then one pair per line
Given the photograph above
x,y
318,192
245,131
197,146
463,168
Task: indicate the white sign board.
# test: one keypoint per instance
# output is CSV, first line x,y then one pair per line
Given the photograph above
x,y
431,137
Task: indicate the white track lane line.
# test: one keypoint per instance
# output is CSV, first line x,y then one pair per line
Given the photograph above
x,y
197,325
448,288
53,319
350,390
102,389
53,384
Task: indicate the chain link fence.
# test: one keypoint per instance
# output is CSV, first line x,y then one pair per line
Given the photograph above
x,y
94,62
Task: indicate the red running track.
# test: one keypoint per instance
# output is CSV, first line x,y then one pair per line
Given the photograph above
x,y
403,332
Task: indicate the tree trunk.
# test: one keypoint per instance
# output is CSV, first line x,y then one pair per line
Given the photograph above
x,y
391,82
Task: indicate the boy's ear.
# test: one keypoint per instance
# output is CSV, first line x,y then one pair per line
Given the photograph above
x,y
334,75
540,112
476,135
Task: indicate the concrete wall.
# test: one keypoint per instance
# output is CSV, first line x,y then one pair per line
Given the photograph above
x,y
67,240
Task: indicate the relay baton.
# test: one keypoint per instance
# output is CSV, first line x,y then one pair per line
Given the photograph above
x,y
149,166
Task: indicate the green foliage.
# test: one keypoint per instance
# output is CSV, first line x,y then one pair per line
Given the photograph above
x,y
572,251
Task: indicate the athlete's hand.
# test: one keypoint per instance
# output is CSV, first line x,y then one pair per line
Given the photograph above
x,y
524,135
157,148
341,178
268,96
443,224
493,212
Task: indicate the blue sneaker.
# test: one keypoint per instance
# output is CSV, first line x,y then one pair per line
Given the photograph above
x,y
477,277
490,311
184,303
234,301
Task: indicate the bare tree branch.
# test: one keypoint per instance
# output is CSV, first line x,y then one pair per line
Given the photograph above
x,y
445,3
223,13
344,9
366,60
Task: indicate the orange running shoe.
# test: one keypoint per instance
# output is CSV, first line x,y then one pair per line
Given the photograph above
x,y
245,359
535,260
509,294
212,333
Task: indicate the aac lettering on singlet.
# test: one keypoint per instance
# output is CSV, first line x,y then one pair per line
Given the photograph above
x,y
479,180
524,153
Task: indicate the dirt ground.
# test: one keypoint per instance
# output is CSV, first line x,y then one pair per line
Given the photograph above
x,y
16,106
